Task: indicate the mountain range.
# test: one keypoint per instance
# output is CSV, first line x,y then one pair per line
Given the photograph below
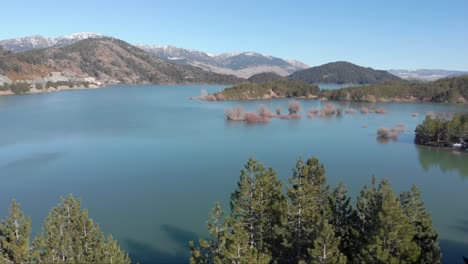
x,y
39,42
426,74
106,60
240,64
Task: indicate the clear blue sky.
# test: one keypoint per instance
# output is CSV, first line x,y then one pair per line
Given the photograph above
x,y
381,34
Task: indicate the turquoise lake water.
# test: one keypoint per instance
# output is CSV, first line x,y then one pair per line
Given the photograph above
x,y
149,164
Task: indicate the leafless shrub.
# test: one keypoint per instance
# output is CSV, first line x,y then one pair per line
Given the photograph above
x,y
339,111
263,111
235,114
312,112
295,116
252,118
384,132
381,111
294,106
327,110
278,110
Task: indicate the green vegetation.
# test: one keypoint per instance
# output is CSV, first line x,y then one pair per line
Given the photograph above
x,y
23,87
266,77
342,72
312,223
69,84
17,87
445,90
439,131
279,88
68,236
453,90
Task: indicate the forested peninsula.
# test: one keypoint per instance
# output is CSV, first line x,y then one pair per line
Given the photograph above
x,y
449,90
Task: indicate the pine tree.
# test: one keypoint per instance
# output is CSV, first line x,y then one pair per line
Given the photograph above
x,y
308,195
326,247
258,205
113,254
211,251
238,247
343,219
14,236
391,237
425,237
70,236
368,205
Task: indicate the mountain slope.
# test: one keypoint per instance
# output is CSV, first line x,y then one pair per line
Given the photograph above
x,y
241,64
109,61
342,72
39,42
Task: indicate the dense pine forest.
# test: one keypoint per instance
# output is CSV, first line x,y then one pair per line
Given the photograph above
x,y
314,223
442,131
68,236
342,72
450,90
453,90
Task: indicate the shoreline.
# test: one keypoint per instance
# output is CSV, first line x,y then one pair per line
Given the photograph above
x,y
392,100
51,90
91,86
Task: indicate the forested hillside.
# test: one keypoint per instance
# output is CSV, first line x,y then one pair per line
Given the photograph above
x,y
342,72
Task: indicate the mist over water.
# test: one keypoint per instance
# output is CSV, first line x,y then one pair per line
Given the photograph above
x,y
149,163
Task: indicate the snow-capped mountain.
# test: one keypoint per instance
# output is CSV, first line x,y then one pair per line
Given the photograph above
x,y
241,64
426,74
37,41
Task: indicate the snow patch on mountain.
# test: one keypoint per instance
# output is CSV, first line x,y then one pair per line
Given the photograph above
x,y
38,42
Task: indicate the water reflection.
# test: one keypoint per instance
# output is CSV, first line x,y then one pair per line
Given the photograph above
x,y
32,161
445,159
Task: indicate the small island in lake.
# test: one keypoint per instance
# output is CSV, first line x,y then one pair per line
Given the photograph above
x,y
440,131
269,90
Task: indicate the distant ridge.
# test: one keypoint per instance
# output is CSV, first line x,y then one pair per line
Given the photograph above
x,y
342,72
39,42
266,77
426,74
241,64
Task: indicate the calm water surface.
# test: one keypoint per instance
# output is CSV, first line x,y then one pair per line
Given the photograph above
x,y
149,164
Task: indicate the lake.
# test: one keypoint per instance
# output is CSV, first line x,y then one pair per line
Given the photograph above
x,y
149,164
